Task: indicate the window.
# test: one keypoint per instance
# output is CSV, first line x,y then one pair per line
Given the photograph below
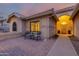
x,y
14,26
35,26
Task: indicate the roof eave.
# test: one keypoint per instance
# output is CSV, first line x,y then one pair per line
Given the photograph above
x,y
41,14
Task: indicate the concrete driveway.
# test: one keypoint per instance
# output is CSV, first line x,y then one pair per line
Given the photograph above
x,y
62,47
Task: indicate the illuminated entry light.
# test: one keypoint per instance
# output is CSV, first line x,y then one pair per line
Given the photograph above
x,y
63,23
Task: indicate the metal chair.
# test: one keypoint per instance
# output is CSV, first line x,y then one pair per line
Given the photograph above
x,y
33,35
37,36
27,35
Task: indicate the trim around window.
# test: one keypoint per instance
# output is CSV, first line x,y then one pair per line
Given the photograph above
x,y
35,26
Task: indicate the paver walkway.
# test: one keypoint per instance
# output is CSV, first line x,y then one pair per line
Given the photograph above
x,y
62,47
21,47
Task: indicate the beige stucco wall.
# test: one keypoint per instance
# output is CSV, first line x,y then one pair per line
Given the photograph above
x,y
44,21
47,26
23,26
28,26
18,22
76,25
43,26
52,27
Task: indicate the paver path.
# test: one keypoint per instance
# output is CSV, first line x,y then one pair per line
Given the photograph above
x,y
21,47
62,47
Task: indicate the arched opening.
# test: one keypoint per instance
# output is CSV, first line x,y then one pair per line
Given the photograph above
x,y
14,26
64,25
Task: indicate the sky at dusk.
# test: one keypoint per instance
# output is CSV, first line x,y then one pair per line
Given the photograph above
x,y
27,9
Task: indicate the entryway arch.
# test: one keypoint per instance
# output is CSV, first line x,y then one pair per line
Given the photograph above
x,y
64,25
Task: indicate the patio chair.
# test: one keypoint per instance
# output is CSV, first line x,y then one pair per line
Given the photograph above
x,y
31,35
27,35
37,36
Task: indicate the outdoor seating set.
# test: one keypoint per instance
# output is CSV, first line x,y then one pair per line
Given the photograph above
x,y
33,35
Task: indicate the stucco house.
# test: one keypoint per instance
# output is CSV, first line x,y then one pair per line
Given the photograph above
x,y
16,20
51,22
3,23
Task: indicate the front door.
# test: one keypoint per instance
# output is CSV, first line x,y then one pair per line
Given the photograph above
x,y
63,29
